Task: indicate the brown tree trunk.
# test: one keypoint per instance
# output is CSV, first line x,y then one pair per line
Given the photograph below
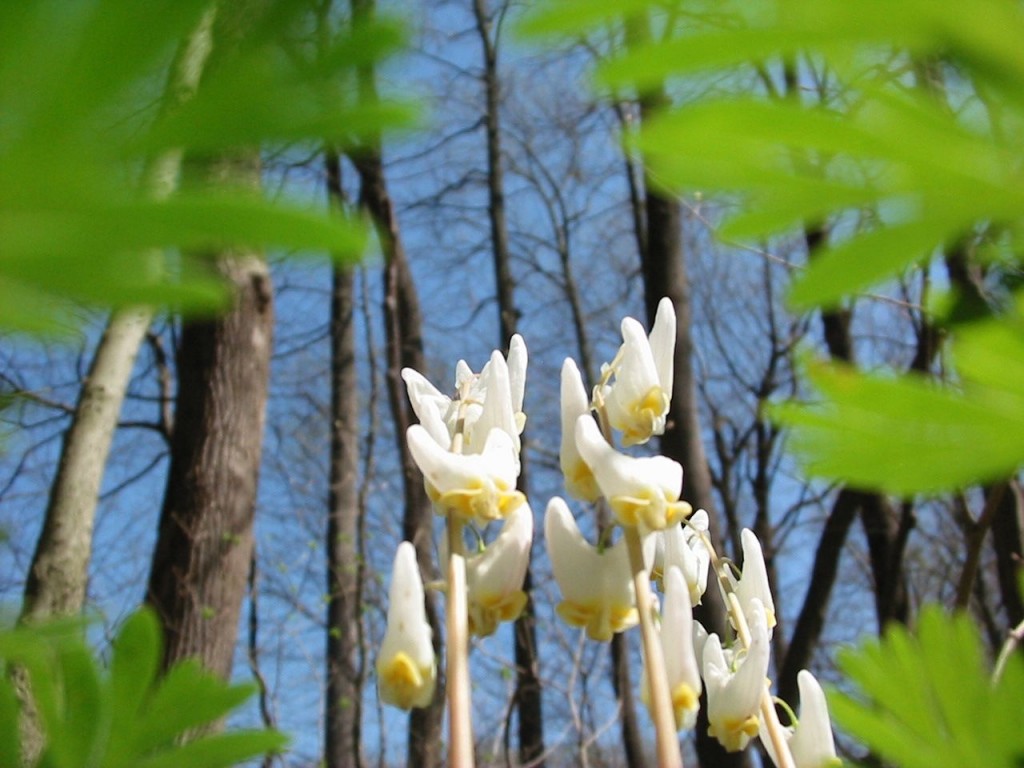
x,y
404,341
201,561
528,700
343,716
665,275
1008,542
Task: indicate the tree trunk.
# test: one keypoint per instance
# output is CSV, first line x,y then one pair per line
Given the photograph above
x,y
58,575
528,699
665,275
342,745
201,560
404,341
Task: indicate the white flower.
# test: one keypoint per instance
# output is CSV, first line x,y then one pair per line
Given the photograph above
x,y
478,487
735,686
579,480
491,399
811,742
406,667
637,401
641,491
495,576
753,582
676,636
597,587
681,546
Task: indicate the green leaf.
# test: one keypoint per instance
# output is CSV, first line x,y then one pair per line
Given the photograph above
x,y
133,668
73,739
866,260
927,701
10,712
218,751
905,434
186,698
81,87
574,17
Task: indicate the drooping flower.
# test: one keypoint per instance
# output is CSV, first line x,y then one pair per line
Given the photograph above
x,y
753,581
491,399
495,576
681,546
638,398
735,685
640,491
597,588
479,487
406,667
579,480
810,742
676,637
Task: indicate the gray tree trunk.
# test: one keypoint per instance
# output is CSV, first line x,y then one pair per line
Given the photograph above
x,y
342,738
404,341
528,700
201,561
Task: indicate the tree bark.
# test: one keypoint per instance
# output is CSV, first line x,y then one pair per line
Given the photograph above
x,y
201,561
1008,542
665,275
528,700
404,341
343,717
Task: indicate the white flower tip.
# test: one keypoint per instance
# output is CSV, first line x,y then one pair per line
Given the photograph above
x,y
406,668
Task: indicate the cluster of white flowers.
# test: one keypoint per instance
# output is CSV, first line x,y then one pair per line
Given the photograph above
x,y
468,450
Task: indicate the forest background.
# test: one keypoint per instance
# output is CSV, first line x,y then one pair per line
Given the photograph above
x,y
508,205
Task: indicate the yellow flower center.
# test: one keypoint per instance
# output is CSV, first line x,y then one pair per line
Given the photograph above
x,y
735,733
656,511
685,702
487,612
644,415
601,620
402,681
479,500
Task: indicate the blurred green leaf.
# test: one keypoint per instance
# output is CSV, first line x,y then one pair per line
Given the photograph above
x,y
80,91
218,750
127,717
9,737
576,17
73,740
187,697
907,434
926,701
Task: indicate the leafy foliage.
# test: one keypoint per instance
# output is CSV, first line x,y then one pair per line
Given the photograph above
x,y
927,701
895,126
126,716
907,433
81,86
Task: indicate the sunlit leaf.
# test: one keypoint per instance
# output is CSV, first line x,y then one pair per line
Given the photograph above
x,y
218,750
81,88
906,434
926,701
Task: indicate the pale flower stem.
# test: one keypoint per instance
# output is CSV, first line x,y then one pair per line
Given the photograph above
x,y
667,739
460,722
460,726
769,717
662,712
